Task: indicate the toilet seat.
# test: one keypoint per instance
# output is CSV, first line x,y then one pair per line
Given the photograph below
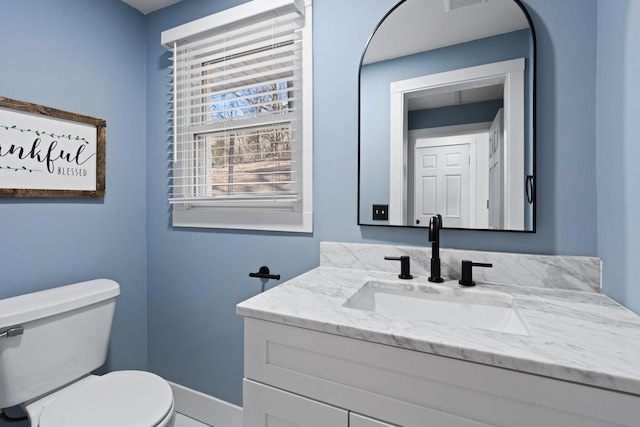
x,y
121,398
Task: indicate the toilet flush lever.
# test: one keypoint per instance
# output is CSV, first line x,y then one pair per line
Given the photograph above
x,y
12,332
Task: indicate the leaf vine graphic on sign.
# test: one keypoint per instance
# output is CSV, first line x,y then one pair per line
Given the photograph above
x,y
45,133
20,169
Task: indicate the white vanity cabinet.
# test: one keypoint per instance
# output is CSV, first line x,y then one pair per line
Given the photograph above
x,y
306,378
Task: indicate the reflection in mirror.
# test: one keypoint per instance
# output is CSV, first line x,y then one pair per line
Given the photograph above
x,y
446,116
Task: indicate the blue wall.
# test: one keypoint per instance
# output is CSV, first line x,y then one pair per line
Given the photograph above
x,y
87,58
180,287
196,277
618,150
476,112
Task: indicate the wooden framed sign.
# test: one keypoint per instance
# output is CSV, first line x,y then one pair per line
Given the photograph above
x,y
46,152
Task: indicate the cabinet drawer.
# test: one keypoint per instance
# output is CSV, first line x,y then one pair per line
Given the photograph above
x,y
266,406
357,420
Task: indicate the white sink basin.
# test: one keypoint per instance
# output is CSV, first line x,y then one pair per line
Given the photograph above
x,y
457,307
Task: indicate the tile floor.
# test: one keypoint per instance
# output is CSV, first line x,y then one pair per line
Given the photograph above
x,y
184,421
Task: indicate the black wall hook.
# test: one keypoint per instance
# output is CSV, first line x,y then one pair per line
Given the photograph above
x,y
264,273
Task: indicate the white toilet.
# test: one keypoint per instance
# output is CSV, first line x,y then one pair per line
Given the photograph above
x,y
51,340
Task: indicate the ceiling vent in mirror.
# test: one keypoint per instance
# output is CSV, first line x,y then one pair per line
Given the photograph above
x,y
460,4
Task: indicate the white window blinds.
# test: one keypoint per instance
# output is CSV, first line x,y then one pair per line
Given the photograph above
x,y
237,107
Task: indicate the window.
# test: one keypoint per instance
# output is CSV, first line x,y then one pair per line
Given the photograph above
x,y
242,134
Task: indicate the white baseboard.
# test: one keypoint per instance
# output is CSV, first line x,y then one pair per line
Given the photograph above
x,y
204,408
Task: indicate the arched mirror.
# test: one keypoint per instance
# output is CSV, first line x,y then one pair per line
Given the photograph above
x,y
447,120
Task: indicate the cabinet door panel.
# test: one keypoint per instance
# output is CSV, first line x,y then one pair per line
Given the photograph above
x,y
266,406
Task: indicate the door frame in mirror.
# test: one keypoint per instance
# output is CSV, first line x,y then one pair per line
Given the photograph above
x,y
508,73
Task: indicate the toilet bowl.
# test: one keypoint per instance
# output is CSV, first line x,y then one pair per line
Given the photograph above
x,y
50,343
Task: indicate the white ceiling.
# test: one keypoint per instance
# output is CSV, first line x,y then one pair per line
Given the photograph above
x,y
148,6
456,97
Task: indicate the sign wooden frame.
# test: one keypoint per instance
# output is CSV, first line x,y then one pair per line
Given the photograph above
x,y
46,152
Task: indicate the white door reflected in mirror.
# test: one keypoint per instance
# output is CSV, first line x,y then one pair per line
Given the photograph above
x,y
442,181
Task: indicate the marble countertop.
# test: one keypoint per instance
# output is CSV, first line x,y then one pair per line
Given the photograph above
x,y
583,337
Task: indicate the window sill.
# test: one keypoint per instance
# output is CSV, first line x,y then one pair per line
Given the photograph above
x,y
250,219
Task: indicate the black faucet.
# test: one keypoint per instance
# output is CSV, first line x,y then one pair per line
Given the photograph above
x,y
435,224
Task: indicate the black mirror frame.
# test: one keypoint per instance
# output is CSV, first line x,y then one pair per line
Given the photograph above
x,y
530,180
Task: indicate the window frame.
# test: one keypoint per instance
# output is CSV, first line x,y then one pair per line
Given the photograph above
x,y
266,215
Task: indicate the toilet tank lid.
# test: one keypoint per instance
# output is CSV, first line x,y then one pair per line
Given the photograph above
x,y
37,305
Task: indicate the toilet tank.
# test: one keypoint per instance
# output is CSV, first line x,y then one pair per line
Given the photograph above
x,y
65,335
